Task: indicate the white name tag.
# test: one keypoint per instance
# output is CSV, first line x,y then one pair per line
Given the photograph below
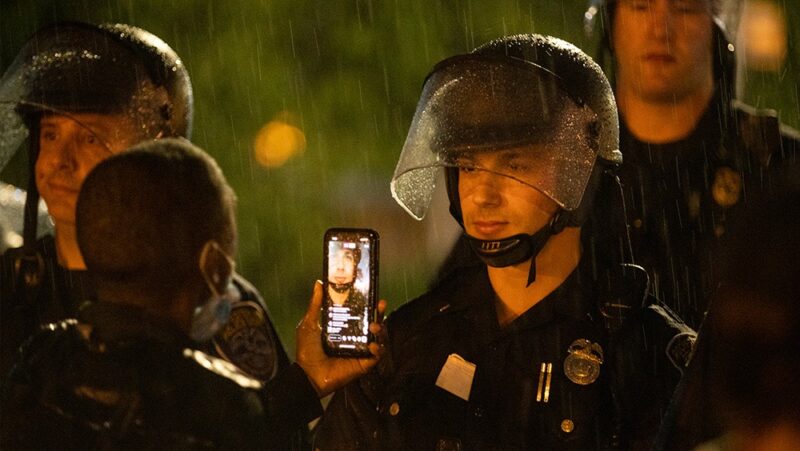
x,y
456,376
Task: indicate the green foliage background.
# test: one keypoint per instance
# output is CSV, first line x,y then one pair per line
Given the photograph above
x,y
350,72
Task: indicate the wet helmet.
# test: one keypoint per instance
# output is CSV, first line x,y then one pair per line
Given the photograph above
x,y
72,67
68,68
538,96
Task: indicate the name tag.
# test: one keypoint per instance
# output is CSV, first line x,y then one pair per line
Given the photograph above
x,y
456,376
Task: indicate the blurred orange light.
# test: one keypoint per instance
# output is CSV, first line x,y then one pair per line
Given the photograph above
x,y
276,142
763,35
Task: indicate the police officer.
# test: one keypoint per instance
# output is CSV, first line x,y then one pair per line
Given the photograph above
x,y
127,374
513,352
692,155
82,93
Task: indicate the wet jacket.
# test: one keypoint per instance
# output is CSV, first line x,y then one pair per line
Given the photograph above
x,y
124,379
521,395
249,340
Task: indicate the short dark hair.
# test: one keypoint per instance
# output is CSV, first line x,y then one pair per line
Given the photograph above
x,y
143,216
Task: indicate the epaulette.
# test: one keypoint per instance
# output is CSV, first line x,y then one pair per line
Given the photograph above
x,y
624,296
758,130
222,368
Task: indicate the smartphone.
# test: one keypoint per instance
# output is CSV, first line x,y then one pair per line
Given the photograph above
x,y
350,284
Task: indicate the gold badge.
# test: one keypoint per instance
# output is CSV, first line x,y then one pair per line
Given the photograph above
x,y
727,187
582,365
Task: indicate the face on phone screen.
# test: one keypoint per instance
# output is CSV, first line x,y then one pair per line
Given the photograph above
x,y
347,292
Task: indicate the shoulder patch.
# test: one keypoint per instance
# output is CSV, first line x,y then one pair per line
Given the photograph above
x,y
247,340
222,368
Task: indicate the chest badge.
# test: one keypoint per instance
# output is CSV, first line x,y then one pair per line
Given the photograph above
x,y
582,365
727,187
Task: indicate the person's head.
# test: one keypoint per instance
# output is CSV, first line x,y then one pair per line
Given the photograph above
x,y
664,50
343,266
89,92
155,225
754,356
523,126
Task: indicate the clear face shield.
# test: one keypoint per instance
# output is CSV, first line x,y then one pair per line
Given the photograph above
x,y
86,76
511,110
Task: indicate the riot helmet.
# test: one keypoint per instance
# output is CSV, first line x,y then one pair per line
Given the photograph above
x,y
71,67
70,70
535,97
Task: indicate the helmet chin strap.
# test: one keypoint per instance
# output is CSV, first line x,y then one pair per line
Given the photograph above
x,y
341,287
516,249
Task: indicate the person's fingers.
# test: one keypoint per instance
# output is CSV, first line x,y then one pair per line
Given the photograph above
x,y
381,307
377,350
311,317
366,364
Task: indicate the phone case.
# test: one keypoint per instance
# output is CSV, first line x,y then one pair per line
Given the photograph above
x,y
350,286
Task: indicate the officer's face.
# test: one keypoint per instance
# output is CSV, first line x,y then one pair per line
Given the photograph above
x,y
496,206
70,147
663,47
342,267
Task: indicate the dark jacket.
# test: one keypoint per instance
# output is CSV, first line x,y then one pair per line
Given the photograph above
x,y
249,340
513,403
126,380
123,379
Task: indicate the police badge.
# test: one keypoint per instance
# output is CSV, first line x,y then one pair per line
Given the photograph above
x,y
582,365
247,342
727,187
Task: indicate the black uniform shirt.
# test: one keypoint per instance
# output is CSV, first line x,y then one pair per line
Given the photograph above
x,y
58,296
401,407
674,217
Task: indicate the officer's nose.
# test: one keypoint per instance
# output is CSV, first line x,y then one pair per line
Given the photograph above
x,y
486,189
69,154
59,154
661,20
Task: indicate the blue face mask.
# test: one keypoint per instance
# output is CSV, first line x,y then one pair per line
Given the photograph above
x,y
210,317
213,314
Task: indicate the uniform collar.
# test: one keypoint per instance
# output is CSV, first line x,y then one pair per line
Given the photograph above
x,y
122,323
473,293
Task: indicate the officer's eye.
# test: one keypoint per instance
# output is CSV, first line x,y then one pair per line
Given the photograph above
x,y
49,134
466,169
638,5
688,6
518,166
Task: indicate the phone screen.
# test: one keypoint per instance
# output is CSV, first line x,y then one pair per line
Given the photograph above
x,y
350,279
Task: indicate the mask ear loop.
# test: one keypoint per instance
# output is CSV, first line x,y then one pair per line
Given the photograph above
x,y
214,280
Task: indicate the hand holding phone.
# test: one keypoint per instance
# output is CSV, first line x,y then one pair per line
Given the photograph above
x,y
350,278
327,373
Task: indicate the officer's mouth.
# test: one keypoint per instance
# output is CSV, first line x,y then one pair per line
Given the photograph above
x,y
489,228
657,57
62,189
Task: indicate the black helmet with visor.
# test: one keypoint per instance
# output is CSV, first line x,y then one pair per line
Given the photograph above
x,y
537,98
72,68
